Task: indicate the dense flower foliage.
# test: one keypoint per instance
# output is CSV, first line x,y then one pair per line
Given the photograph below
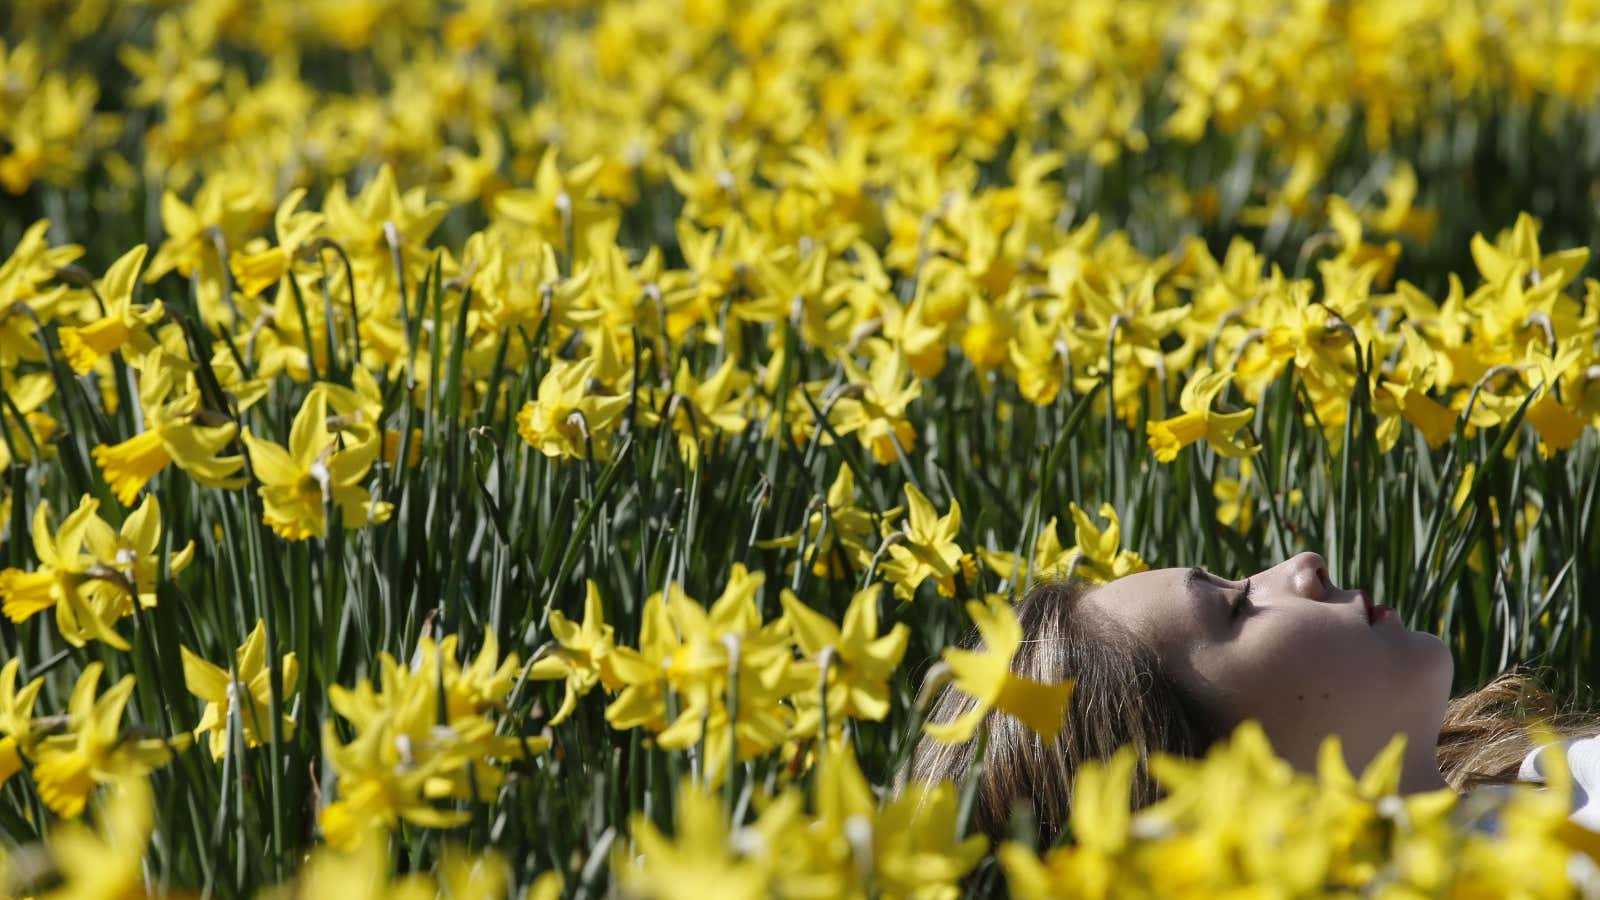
x,y
509,447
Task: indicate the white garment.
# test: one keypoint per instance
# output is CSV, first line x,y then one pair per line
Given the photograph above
x,y
1583,760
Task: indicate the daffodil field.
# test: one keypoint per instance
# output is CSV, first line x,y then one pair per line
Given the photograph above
x,y
488,448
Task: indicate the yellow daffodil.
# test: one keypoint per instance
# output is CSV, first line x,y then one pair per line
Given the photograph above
x,y
581,656
1101,556
721,645
567,419
698,410
107,861
836,538
859,662
254,270
94,749
1049,558
177,430
1197,420
128,559
319,466
560,207
425,734
28,392
642,701
65,579
697,861
121,325
17,734
361,871
221,691
1515,254
986,676
878,409
927,548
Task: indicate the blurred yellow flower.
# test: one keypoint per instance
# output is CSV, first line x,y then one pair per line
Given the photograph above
x,y
121,325
94,749
986,676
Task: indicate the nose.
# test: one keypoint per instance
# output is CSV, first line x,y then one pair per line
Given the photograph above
x,y
1308,575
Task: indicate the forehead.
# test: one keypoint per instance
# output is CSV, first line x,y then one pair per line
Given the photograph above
x,y
1158,603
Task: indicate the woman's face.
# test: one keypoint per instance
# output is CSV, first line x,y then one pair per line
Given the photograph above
x,y
1302,656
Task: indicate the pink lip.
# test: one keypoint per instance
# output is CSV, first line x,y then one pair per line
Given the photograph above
x,y
1366,603
1376,612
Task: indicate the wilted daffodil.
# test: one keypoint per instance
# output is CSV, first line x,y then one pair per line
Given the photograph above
x,y
94,749
319,465
1197,420
986,676
221,690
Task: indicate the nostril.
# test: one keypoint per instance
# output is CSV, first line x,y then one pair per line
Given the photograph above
x,y
1324,583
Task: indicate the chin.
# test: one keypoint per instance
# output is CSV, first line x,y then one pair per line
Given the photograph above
x,y
1433,662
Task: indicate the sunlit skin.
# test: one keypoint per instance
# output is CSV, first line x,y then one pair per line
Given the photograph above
x,y
1301,657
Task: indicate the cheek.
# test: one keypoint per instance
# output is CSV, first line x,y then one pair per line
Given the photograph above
x,y
1308,676
1289,669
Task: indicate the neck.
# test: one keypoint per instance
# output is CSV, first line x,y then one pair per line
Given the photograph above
x,y
1420,770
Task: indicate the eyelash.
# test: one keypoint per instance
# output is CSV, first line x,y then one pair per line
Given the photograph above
x,y
1243,600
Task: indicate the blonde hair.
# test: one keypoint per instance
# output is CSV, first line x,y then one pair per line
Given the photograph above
x,y
1124,694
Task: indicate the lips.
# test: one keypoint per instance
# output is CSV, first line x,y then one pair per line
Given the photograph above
x,y
1375,611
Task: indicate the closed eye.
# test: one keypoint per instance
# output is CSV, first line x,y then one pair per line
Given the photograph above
x,y
1237,607
1242,600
